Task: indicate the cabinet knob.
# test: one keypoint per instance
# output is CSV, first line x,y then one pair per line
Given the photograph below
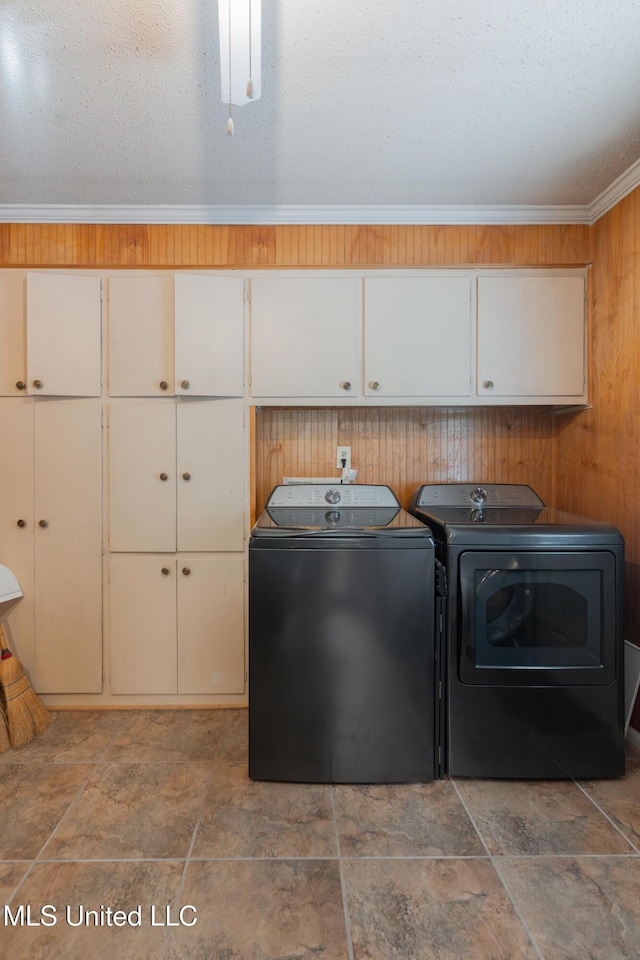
x,y
164,476
38,384
186,571
165,571
346,385
21,385
22,523
185,384
164,385
374,385
488,384
186,476
43,523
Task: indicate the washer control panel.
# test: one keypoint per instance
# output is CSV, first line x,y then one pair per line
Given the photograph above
x,y
332,495
477,495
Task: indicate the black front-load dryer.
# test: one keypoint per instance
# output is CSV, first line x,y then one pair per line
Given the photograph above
x,y
534,635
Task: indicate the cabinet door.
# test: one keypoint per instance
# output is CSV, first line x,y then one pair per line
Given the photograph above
x,y
12,334
141,336
211,624
68,547
16,522
142,456
531,336
143,624
418,337
210,475
304,337
209,336
63,335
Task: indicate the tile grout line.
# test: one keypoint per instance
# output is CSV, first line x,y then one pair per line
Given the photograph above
x,y
499,875
37,859
194,833
343,885
612,822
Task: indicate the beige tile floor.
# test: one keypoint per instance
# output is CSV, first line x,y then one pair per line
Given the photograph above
x,y
139,810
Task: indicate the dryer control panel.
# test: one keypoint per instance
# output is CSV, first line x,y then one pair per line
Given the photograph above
x,y
478,495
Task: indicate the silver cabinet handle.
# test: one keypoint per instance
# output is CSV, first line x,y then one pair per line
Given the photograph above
x,y
488,384
374,385
346,385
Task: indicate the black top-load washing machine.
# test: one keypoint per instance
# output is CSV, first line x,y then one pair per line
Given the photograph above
x,y
534,682
341,638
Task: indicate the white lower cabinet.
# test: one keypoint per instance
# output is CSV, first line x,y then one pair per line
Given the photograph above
x,y
177,624
177,476
51,537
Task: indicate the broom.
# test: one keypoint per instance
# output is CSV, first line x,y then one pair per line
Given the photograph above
x,y
27,716
5,743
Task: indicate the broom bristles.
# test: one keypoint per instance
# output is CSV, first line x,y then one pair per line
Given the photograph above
x,y
5,743
27,716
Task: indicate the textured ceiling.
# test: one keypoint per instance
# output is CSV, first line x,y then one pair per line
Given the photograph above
x,y
363,102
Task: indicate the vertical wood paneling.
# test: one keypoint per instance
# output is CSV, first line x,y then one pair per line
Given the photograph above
x,y
599,451
405,447
332,245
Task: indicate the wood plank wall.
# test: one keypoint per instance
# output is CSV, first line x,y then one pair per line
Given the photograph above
x,y
174,246
599,451
404,447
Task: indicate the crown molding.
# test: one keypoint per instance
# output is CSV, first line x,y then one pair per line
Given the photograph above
x,y
282,214
619,189
403,214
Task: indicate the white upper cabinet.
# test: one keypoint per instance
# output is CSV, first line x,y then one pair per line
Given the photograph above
x,y
304,337
141,336
12,327
179,335
417,337
531,338
209,336
63,335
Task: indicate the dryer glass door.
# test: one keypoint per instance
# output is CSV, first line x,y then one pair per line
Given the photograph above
x,y
537,618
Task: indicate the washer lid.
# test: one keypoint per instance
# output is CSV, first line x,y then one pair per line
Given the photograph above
x,y
338,521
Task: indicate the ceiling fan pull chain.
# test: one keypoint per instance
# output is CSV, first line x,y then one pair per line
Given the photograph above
x,y
250,81
230,130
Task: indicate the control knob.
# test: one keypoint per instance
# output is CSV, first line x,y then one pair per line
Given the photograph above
x,y
332,496
479,495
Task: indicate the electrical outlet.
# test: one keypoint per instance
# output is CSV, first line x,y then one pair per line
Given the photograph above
x,y
343,453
